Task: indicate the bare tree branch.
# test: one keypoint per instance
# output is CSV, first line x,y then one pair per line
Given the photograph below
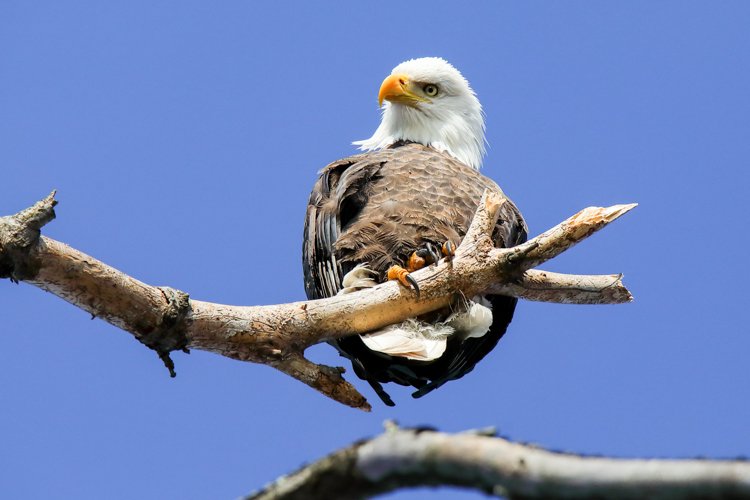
x,y
277,335
545,286
412,457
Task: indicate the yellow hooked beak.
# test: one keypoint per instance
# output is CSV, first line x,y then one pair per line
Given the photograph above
x,y
397,88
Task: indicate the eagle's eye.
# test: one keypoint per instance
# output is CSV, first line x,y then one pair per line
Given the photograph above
x,y
430,90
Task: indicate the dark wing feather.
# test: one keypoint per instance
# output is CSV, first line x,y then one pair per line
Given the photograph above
x,y
335,202
323,272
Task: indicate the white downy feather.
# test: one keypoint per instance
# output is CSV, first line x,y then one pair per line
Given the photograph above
x,y
358,278
474,320
412,339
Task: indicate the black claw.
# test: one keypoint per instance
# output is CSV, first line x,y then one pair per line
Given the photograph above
x,y
413,282
451,250
423,252
433,254
428,251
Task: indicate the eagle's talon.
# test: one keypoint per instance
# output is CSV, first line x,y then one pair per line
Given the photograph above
x,y
422,257
416,261
403,276
449,250
413,282
428,254
433,254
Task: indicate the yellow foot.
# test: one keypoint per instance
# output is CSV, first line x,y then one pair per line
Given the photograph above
x,y
401,274
449,250
421,258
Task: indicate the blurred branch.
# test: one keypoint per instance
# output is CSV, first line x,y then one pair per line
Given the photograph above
x,y
411,458
166,320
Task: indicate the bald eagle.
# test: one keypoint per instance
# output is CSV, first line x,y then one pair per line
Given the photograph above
x,y
406,203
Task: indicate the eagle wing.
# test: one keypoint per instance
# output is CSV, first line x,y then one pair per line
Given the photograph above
x,y
338,196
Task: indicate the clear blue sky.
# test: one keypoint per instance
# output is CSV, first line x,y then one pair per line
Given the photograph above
x,y
184,138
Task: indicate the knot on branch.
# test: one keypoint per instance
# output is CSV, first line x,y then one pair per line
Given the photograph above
x,y
170,335
18,235
511,259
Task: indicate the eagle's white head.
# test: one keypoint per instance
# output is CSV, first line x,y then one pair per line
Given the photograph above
x,y
431,103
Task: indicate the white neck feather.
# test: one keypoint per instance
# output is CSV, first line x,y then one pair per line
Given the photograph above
x,y
454,127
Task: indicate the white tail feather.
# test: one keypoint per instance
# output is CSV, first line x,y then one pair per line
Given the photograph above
x,y
411,339
417,340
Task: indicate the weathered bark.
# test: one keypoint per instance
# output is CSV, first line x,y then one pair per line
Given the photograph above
x,y
545,286
276,335
416,457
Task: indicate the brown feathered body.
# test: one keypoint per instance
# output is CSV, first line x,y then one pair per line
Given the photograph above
x,y
378,208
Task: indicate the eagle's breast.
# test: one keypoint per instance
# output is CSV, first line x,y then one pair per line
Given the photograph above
x,y
416,196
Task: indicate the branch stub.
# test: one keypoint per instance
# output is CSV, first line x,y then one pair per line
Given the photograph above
x,y
170,335
18,234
